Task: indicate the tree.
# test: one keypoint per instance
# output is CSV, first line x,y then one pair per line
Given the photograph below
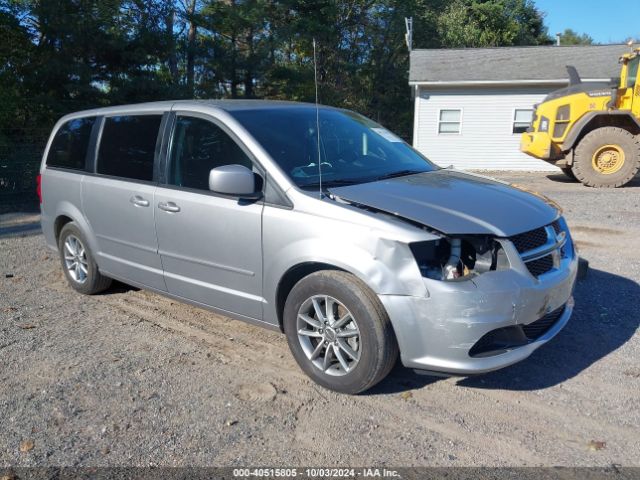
x,y
570,37
237,46
491,23
59,56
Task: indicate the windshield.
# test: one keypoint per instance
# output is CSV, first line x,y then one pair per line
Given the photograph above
x,y
353,149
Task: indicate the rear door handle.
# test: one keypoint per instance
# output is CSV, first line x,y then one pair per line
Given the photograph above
x,y
169,207
138,201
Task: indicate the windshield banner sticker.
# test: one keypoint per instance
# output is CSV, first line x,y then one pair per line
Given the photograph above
x,y
387,135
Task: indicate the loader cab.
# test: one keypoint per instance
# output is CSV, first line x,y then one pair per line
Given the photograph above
x,y
591,130
629,88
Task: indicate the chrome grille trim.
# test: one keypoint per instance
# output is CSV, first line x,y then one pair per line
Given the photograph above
x,y
541,249
553,242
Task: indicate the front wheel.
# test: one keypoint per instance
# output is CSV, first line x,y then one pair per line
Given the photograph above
x,y
607,157
339,332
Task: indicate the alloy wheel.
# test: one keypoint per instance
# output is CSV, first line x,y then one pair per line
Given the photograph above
x,y
75,259
329,335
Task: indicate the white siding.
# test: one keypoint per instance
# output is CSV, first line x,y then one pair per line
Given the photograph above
x,y
486,141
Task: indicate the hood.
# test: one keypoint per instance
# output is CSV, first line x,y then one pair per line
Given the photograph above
x,y
454,203
593,89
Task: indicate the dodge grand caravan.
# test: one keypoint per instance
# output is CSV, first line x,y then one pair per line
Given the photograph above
x,y
318,223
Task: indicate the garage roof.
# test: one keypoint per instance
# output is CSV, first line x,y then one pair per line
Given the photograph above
x,y
517,65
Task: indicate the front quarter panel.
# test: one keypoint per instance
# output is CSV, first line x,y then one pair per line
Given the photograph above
x,y
293,237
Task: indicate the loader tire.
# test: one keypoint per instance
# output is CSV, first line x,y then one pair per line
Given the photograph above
x,y
607,157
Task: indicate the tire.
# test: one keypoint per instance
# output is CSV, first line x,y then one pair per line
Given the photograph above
x,y
85,276
569,173
361,312
619,141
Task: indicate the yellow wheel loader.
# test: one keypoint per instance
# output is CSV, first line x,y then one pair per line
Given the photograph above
x,y
591,130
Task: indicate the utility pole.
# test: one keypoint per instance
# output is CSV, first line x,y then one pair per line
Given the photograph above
x,y
408,37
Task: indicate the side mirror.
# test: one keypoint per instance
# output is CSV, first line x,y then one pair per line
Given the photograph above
x,y
233,180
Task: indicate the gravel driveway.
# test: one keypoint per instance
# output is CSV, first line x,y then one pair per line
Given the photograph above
x,y
131,378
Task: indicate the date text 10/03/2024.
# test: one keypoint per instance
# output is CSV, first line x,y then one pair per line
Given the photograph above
x,y
316,472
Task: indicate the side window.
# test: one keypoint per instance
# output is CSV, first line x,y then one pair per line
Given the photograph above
x,y
69,146
197,147
450,121
127,146
632,72
521,120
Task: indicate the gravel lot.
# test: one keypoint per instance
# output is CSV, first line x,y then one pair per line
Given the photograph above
x,y
132,378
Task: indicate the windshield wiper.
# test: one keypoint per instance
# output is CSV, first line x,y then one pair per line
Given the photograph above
x,y
330,183
399,173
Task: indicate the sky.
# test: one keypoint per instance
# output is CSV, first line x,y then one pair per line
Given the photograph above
x,y
606,21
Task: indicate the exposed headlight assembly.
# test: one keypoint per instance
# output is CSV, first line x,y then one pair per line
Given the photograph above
x,y
459,258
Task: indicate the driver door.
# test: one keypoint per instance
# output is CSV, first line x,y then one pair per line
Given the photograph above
x,y
630,92
633,82
210,245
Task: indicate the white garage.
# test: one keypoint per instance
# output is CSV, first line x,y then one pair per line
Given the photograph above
x,y
471,105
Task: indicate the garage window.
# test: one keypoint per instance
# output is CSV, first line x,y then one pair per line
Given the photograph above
x,y
521,120
450,121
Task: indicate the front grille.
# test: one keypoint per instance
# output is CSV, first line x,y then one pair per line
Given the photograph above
x,y
538,328
526,242
529,240
540,266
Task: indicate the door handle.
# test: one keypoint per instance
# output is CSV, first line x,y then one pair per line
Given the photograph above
x,y
169,207
138,201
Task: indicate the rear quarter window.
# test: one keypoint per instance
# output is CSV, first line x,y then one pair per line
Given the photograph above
x,y
127,146
69,146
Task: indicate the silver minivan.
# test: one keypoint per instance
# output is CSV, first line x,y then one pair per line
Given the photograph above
x,y
314,221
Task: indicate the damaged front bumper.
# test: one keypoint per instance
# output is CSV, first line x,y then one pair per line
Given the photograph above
x,y
483,324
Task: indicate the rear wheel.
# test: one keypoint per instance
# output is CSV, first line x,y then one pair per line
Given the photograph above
x,y
339,332
607,157
78,263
